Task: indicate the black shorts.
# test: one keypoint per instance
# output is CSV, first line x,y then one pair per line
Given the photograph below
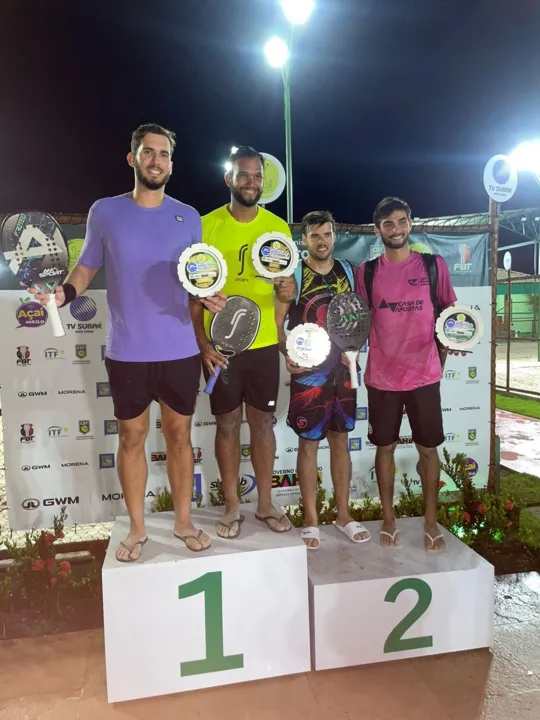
x,y
135,384
315,408
423,406
251,377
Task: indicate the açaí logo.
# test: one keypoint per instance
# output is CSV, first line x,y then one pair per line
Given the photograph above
x,y
30,314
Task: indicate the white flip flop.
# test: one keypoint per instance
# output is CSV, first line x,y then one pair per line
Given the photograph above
x,y
393,539
311,533
351,529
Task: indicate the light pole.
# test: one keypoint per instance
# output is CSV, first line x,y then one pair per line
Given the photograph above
x,y
278,55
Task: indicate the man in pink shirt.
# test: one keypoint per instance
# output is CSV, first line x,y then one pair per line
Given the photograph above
x,y
404,367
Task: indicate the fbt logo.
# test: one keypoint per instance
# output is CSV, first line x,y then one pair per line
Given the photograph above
x,y
54,354
472,378
27,433
471,437
464,266
355,444
110,427
106,461
23,356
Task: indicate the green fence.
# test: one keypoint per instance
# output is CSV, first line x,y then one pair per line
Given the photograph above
x,y
518,335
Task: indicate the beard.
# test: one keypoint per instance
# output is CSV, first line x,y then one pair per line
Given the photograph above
x,y
237,195
393,245
151,183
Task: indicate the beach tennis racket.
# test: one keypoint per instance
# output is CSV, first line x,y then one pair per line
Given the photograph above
x,y
233,330
35,250
348,323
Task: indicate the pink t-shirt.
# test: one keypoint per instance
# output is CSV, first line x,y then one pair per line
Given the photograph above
x,y
403,354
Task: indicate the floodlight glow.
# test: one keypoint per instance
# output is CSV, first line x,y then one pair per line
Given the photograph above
x,y
228,166
527,156
277,52
234,149
297,12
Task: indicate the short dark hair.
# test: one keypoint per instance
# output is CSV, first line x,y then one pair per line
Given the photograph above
x,y
245,151
317,218
137,135
387,206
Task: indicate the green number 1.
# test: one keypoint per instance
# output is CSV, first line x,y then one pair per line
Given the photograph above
x,y
395,641
215,661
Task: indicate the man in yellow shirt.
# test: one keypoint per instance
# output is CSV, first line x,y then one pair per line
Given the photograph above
x,y
253,376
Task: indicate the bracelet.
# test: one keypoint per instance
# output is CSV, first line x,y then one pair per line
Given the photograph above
x,y
69,292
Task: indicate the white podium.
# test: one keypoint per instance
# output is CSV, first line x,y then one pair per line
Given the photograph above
x,y
177,620
371,604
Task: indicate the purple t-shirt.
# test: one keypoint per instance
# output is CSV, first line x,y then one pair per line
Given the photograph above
x,y
403,354
149,318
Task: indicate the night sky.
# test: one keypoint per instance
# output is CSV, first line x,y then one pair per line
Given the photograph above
x,y
406,97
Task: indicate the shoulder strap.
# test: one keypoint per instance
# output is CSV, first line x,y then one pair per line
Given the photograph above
x,y
430,263
347,267
369,273
298,272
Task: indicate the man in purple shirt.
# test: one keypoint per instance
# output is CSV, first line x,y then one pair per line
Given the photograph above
x,y
151,351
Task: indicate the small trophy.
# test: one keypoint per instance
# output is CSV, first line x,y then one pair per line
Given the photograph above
x,y
308,345
202,270
459,328
275,255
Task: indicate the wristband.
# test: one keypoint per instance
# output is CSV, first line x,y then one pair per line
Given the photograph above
x,y
69,292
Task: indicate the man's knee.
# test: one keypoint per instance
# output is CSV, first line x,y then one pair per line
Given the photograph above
x,y
427,453
308,448
132,434
260,423
386,450
228,424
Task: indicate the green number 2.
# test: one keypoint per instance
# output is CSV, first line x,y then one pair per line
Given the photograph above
x,y
395,641
215,661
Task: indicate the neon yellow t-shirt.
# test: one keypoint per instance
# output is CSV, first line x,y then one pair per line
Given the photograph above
x,y
235,241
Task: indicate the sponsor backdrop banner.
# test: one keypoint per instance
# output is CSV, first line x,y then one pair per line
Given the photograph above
x,y
60,435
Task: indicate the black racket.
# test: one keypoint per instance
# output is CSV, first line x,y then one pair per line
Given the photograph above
x,y
35,250
348,323
233,330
